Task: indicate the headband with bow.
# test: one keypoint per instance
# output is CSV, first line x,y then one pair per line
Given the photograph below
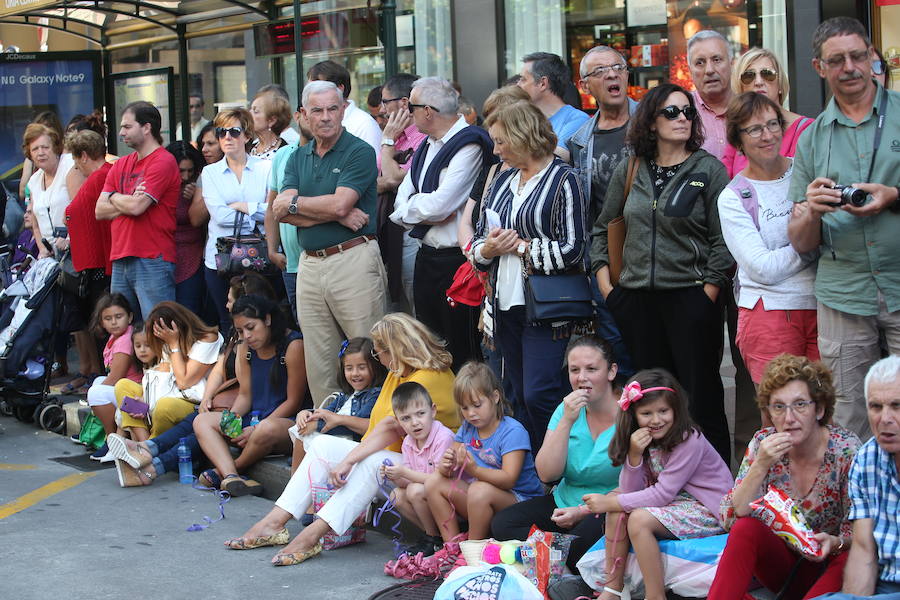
x,y
633,392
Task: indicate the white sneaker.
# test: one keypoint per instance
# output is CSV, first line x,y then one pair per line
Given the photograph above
x,y
107,458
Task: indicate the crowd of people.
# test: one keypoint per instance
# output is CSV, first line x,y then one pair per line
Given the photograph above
x,y
267,292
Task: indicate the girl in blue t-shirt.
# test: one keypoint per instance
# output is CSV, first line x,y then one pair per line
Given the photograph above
x,y
489,467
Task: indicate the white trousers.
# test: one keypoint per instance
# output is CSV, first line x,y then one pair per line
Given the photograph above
x,y
323,454
99,394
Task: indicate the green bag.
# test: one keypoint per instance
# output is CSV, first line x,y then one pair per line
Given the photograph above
x,y
92,432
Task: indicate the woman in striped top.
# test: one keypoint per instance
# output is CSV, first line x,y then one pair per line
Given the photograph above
x,y
532,217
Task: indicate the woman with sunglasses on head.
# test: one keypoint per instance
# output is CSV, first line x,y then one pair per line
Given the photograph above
x,y
805,457
674,259
234,187
758,70
776,299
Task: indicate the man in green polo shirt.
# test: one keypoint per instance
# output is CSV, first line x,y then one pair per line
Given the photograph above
x,y
329,194
858,279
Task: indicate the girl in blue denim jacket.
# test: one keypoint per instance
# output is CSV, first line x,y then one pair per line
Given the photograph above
x,y
345,413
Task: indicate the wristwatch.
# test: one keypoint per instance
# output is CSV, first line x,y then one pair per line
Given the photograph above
x,y
895,207
521,250
387,142
292,209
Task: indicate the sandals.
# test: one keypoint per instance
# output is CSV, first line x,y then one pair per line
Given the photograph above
x,y
131,477
276,539
71,388
209,479
136,456
295,558
239,485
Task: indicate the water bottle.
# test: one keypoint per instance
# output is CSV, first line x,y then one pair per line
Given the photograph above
x,y
254,418
185,466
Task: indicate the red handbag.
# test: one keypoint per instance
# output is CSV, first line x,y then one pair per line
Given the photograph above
x,y
467,287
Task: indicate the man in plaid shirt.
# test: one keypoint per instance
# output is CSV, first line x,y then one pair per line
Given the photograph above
x,y
873,567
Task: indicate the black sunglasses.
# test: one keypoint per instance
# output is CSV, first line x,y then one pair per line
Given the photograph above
x,y
221,132
389,100
671,112
413,107
749,75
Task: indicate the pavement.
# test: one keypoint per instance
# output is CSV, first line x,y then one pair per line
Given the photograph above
x,y
78,535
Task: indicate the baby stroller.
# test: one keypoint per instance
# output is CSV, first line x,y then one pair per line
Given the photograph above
x,y
28,331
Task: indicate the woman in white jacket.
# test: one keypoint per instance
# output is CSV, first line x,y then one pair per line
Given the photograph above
x,y
776,299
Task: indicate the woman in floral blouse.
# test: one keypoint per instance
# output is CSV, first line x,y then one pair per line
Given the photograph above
x,y
809,460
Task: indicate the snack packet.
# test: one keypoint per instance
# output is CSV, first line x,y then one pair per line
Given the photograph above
x,y
777,510
231,424
544,555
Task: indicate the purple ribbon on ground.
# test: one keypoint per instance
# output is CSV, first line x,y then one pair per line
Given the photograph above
x,y
223,498
388,506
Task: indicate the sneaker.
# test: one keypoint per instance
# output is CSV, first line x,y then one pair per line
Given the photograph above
x,y
107,458
427,545
100,453
75,438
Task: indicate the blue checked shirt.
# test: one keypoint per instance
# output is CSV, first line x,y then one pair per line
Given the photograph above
x,y
875,494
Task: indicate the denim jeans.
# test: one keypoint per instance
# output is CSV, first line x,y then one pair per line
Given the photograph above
x,y
533,360
290,286
144,282
217,288
164,447
190,292
884,590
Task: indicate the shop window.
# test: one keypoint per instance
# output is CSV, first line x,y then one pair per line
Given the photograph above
x,y
652,34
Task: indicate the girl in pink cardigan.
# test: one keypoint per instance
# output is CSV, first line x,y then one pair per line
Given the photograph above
x,y
671,484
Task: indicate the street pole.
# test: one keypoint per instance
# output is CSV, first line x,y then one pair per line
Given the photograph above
x,y
389,37
298,51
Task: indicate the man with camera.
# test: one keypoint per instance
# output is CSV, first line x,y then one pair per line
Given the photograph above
x,y
854,143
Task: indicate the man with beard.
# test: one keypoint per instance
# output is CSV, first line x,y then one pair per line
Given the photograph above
x,y
709,58
139,197
858,280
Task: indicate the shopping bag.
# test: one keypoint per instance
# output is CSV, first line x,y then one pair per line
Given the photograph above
x,y
354,535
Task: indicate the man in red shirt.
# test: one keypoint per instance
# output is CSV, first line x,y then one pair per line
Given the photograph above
x,y
139,197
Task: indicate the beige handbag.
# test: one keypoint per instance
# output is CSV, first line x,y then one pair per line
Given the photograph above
x,y
615,230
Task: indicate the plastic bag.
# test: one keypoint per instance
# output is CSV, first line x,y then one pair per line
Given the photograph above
x,y
92,433
354,535
778,511
689,566
481,583
544,555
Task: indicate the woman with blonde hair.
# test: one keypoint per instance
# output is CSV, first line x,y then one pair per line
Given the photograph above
x,y
271,115
759,70
410,352
233,188
540,227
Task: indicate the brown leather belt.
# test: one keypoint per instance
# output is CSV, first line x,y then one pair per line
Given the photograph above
x,y
342,247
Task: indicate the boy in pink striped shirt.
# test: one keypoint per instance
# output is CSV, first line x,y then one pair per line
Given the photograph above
x,y
425,443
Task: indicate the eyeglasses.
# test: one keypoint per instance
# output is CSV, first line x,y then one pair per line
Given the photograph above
x,y
375,352
235,132
671,112
413,107
836,62
878,67
389,100
749,75
604,69
800,407
755,131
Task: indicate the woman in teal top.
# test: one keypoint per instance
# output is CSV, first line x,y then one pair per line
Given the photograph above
x,y
574,453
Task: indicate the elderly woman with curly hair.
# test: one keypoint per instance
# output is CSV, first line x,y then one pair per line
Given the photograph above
x,y
808,459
